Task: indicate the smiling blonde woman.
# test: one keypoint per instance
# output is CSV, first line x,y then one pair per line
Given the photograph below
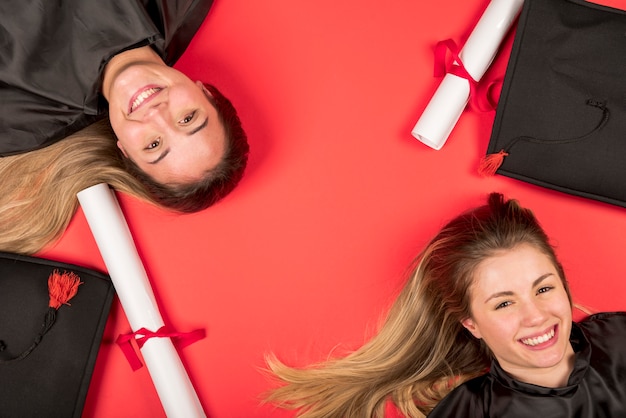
x,y
483,328
175,142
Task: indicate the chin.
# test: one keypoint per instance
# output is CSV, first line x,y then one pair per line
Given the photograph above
x,y
554,356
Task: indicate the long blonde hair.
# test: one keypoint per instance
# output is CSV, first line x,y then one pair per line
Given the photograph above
x,y
421,351
38,188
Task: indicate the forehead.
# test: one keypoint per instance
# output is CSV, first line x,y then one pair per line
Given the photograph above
x,y
512,268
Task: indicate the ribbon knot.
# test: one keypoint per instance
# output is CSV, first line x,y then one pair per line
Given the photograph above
x,y
142,335
479,94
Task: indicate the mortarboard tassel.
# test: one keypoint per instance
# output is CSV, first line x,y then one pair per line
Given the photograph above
x,y
62,288
490,163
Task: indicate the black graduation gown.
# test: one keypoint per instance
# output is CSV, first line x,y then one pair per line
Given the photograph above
x,y
53,52
596,387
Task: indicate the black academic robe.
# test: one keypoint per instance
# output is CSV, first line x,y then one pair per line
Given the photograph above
x,y
53,52
596,387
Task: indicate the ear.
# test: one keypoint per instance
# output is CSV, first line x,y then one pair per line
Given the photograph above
x,y
119,145
471,326
201,85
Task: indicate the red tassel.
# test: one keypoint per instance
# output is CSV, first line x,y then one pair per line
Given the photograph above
x,y
490,163
62,288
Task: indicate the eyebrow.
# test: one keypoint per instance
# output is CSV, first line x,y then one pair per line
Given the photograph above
x,y
190,133
509,293
199,128
160,157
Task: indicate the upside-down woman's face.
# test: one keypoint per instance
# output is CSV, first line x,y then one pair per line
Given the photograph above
x,y
522,312
165,123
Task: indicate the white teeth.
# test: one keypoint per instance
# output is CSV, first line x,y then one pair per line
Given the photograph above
x,y
143,96
538,340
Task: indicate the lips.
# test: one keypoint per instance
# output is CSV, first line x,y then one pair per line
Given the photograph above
x,y
540,340
142,96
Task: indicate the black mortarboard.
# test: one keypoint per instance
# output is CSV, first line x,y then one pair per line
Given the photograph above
x,y
561,117
50,333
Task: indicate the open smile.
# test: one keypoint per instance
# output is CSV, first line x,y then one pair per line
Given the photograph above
x,y
142,96
540,340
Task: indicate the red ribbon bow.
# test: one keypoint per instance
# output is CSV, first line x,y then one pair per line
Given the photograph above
x,y
142,335
479,95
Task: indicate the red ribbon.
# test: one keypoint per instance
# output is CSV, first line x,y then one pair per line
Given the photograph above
x,y
142,335
479,96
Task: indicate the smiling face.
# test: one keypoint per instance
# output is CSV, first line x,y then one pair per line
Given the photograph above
x,y
164,122
522,312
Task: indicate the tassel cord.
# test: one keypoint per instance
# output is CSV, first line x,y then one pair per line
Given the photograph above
x,y
61,288
533,140
492,162
48,322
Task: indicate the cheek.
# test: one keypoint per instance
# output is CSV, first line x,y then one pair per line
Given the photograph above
x,y
129,136
565,309
498,328
117,123
560,302
186,95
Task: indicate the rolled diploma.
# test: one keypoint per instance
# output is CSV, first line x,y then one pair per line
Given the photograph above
x,y
445,107
116,245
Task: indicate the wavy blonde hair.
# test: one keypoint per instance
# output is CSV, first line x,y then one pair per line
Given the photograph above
x,y
38,189
422,351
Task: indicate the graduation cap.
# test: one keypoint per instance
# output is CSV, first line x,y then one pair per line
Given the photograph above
x,y
561,116
52,317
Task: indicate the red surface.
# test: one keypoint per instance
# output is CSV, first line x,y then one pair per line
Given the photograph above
x,y
309,250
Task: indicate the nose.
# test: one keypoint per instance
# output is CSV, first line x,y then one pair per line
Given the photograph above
x,y
156,109
158,115
533,314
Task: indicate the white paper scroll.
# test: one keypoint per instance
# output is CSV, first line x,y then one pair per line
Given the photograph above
x,y
445,107
116,245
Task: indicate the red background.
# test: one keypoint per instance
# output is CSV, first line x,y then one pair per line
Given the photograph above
x,y
308,252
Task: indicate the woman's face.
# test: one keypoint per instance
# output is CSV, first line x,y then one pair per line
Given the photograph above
x,y
165,123
522,312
